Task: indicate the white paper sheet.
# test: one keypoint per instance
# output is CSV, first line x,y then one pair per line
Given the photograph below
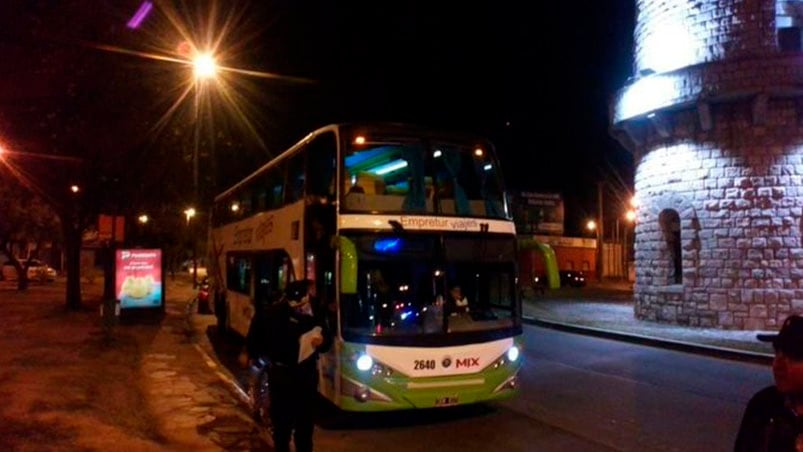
x,y
305,347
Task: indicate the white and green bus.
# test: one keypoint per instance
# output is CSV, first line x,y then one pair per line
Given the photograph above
x,y
385,219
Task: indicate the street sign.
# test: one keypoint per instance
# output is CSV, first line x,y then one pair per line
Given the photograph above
x,y
111,227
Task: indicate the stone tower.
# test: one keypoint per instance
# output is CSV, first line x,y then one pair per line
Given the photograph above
x,y
714,117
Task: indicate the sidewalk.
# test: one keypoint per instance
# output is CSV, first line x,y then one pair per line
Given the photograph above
x,y
606,309
147,386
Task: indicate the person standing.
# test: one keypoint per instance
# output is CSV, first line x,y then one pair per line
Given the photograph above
x,y
773,419
294,333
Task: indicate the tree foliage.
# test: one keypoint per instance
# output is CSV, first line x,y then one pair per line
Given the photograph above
x,y
24,218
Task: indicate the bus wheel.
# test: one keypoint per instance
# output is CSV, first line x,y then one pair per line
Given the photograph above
x,y
258,394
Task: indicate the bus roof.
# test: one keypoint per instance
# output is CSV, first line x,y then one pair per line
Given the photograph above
x,y
413,129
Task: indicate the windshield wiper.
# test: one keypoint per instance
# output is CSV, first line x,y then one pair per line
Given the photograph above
x,y
397,226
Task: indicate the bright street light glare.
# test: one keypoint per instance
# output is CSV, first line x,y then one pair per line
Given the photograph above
x,y
74,188
591,225
204,66
189,213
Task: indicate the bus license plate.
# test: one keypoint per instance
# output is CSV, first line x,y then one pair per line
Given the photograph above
x,y
446,401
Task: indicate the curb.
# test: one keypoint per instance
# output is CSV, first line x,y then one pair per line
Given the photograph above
x,y
220,371
707,350
212,363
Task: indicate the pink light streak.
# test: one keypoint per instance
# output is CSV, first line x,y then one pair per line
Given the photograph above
x,y
139,16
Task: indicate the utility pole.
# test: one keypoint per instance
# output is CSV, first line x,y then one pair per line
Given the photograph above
x,y
600,230
625,272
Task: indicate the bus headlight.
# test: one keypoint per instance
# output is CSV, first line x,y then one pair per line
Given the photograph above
x,y
364,362
513,354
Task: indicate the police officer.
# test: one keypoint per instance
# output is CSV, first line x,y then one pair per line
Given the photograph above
x,y
294,333
773,419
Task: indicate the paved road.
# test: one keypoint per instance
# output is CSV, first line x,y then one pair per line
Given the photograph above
x,y
578,393
633,397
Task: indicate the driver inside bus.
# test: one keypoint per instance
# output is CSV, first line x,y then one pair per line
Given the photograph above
x,y
458,303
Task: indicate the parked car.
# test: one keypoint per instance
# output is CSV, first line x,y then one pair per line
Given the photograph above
x,y
187,266
37,271
572,278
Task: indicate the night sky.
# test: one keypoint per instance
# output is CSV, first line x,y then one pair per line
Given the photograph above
x,y
534,77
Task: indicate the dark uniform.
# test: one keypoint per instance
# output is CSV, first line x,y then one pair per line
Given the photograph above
x,y
768,424
771,422
293,386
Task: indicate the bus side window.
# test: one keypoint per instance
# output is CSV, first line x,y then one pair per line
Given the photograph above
x,y
321,166
274,186
294,185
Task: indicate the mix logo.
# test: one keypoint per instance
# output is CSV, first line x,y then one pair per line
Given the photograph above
x,y
467,362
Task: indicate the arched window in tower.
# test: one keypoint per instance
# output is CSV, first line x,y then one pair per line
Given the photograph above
x,y
788,22
670,227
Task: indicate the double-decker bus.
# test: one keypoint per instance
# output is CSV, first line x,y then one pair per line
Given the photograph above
x,y
387,220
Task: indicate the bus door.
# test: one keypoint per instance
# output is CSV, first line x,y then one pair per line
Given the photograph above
x,y
320,268
264,287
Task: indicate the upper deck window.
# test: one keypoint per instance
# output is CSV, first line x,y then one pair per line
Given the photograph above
x,y
400,175
788,22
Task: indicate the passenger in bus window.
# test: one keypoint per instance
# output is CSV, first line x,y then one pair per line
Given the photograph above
x,y
433,316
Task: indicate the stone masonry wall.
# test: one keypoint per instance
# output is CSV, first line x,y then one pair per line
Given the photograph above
x,y
708,30
738,192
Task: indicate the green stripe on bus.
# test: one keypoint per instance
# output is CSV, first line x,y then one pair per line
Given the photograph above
x,y
348,266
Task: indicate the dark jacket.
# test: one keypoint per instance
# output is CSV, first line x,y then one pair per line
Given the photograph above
x,y
274,334
768,424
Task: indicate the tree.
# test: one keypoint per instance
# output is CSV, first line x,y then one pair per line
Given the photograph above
x,y
24,218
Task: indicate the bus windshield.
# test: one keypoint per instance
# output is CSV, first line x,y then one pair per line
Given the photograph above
x,y
430,284
384,174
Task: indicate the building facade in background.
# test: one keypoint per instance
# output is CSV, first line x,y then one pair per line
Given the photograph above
x,y
540,216
572,253
714,117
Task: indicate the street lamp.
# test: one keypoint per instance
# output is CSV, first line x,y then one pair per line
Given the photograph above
x,y
189,213
74,188
204,66
143,219
592,227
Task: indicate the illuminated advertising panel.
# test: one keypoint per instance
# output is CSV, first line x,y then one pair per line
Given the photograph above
x,y
138,278
539,213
